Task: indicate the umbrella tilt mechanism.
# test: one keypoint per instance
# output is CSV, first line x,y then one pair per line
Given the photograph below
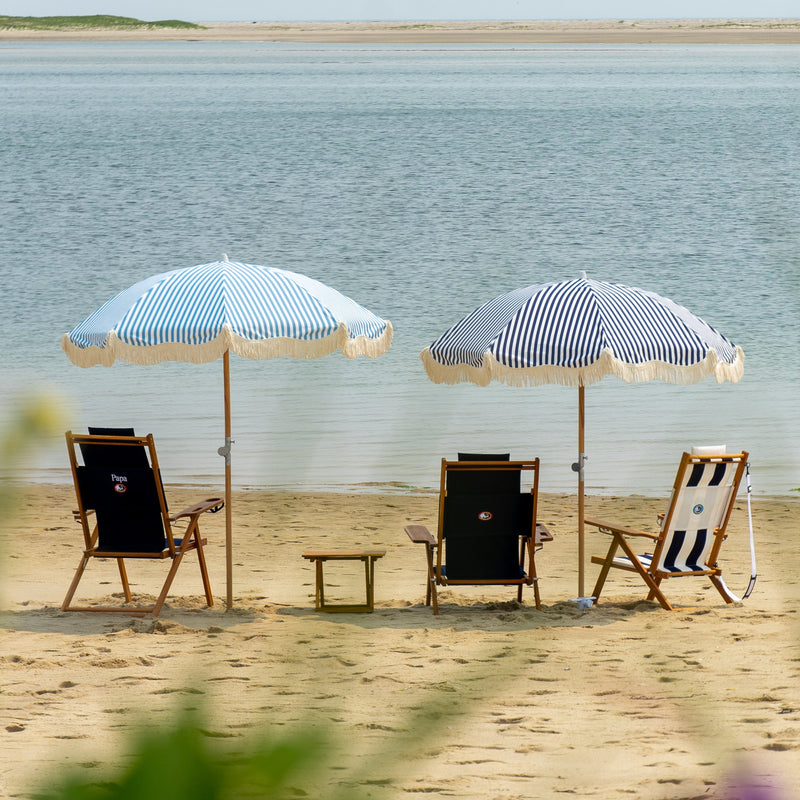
x,y
579,465
225,450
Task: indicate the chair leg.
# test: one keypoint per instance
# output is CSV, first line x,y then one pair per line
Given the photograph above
x,y
201,557
657,581
430,586
123,574
434,595
368,583
75,581
319,601
605,569
191,541
720,586
176,562
429,564
536,596
652,582
431,596
654,592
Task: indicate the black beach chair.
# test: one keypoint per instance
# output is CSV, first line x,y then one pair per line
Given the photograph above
x,y
123,512
487,527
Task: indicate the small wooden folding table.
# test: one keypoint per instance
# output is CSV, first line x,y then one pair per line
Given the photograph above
x,y
319,557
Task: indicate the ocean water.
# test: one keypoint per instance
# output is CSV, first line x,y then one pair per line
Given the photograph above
x,y
421,181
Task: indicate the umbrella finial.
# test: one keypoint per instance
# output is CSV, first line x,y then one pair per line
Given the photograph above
x,y
225,258
583,275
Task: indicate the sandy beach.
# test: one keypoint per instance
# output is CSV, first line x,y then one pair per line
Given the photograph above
x,y
697,31
623,700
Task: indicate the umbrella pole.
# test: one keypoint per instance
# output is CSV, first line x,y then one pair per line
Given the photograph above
x,y
226,369
581,460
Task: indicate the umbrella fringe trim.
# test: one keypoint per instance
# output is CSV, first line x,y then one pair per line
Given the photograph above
x,y
491,369
454,373
115,349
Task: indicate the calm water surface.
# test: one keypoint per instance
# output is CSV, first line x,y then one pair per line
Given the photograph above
x,y
421,181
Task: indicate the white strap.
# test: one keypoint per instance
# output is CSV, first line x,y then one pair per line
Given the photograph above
x,y
753,574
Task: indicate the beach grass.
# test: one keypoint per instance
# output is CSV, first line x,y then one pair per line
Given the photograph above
x,y
91,22
784,24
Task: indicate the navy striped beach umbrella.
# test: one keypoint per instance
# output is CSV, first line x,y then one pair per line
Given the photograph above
x,y
199,314
575,333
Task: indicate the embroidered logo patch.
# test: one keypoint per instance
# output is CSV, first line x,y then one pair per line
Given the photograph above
x,y
120,488
698,509
485,516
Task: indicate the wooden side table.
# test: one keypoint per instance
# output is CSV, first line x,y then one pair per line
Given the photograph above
x,y
319,557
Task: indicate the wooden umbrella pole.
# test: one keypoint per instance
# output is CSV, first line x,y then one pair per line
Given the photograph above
x,y
226,451
581,460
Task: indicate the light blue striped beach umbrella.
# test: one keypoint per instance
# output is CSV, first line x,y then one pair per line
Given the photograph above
x,y
575,333
199,314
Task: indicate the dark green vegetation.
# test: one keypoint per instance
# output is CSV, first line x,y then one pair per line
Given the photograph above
x,y
183,763
101,21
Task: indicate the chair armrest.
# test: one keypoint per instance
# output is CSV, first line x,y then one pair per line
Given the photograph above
x,y
609,528
213,504
420,534
542,533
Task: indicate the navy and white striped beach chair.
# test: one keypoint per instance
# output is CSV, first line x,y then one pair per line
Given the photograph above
x,y
692,529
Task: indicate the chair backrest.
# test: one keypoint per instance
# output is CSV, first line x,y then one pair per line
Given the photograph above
x,y
120,481
471,478
702,500
107,454
482,514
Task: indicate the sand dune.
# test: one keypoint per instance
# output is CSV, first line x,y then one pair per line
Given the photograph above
x,y
729,31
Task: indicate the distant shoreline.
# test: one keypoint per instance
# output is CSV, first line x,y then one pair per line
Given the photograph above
x,y
694,31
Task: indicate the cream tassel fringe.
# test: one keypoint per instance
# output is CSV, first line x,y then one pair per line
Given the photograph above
x,y
607,364
115,350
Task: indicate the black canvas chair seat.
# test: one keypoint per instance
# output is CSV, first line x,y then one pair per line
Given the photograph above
x,y
123,511
487,529
483,530
127,507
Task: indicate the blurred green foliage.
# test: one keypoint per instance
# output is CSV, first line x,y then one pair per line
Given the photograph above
x,y
31,422
188,763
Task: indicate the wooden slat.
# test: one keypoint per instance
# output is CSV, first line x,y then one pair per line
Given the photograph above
x,y
607,526
420,534
542,533
342,555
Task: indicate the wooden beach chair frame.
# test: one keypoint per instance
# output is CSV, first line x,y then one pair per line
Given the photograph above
x,y
173,548
529,542
651,567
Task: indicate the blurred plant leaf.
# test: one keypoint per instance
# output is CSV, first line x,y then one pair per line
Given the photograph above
x,y
186,763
